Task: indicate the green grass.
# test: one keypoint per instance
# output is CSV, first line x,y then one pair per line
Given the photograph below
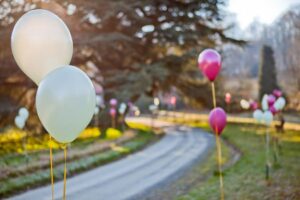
x,y
245,180
41,177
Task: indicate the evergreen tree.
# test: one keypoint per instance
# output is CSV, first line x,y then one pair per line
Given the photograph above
x,y
267,72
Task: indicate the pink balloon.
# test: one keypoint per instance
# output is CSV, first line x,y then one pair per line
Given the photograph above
x,y
173,100
277,93
209,62
271,100
112,112
273,110
113,102
228,98
254,105
217,120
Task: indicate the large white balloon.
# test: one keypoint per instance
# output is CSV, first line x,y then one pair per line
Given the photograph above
x,y
267,118
65,103
23,112
19,122
41,42
258,115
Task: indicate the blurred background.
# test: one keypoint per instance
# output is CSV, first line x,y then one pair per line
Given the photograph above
x,y
137,50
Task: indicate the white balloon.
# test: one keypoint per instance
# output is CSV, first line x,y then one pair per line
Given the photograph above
x,y
152,107
123,105
258,115
264,102
99,100
19,122
65,103
245,104
267,118
23,112
279,103
121,110
96,112
41,42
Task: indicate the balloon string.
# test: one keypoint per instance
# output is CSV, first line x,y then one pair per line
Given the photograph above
x,y
51,168
113,122
65,173
219,159
267,153
219,150
213,94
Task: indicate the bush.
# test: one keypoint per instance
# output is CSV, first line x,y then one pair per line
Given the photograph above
x,y
112,133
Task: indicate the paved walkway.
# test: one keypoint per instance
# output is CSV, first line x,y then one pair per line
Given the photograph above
x,y
137,174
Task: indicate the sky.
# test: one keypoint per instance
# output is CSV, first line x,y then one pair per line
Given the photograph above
x,y
266,11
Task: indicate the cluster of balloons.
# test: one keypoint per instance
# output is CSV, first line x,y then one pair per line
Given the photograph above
x,y
271,105
253,105
209,62
133,110
113,104
21,118
42,47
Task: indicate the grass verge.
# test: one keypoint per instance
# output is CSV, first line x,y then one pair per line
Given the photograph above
x,y
246,178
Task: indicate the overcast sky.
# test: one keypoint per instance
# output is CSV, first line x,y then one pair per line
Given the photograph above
x,y
266,11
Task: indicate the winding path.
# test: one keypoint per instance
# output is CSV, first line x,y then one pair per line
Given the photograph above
x,y
134,176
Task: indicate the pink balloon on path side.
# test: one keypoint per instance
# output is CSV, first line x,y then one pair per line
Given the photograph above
x,y
217,120
271,100
277,93
209,62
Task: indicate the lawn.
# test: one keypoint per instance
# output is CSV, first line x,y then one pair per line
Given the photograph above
x,y
245,180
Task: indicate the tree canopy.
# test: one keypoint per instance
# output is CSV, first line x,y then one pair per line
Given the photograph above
x,y
130,47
